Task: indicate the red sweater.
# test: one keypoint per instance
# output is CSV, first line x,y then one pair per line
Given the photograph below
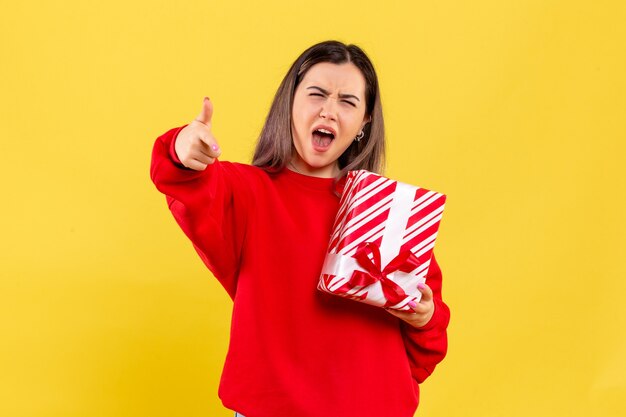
x,y
294,351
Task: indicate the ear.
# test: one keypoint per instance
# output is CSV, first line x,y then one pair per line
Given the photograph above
x,y
367,119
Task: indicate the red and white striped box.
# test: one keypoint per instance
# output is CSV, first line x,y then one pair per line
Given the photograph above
x,y
382,241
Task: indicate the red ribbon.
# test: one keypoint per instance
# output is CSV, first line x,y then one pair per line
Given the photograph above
x,y
406,261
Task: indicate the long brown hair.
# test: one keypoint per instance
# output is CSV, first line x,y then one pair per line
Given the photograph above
x,y
275,147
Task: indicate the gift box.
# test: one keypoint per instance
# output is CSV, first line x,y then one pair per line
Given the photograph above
x,y
382,241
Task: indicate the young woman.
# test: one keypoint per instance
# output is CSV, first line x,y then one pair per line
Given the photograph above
x,y
263,231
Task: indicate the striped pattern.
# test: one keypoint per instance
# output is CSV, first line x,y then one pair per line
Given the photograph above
x,y
362,217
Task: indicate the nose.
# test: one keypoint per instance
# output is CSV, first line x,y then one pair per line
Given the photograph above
x,y
329,110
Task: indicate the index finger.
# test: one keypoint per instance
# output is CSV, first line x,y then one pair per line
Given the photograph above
x,y
210,148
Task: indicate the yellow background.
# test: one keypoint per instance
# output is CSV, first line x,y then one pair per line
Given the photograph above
x,y
514,109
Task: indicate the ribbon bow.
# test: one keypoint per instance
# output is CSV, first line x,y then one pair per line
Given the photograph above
x,y
406,261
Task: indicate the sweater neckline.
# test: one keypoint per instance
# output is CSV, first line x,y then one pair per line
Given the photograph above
x,y
316,183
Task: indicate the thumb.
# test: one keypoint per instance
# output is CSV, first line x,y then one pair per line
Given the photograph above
x,y
427,292
206,113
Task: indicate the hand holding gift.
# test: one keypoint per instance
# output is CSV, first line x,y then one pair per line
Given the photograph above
x,y
420,313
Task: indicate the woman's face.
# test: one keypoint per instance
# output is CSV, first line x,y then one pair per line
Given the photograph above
x,y
328,112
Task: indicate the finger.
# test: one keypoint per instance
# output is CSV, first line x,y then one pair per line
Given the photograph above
x,y
202,157
427,293
212,149
196,165
208,146
203,147
206,114
413,305
420,308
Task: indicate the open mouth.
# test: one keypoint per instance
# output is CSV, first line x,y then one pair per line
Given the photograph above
x,y
323,137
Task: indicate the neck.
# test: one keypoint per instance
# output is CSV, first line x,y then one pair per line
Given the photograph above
x,y
301,167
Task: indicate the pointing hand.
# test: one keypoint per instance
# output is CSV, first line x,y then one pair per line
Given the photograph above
x,y
195,146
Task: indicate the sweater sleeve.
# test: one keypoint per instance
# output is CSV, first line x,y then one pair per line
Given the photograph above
x,y
208,205
427,346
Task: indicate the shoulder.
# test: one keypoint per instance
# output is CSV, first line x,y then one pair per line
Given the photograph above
x,y
242,168
247,179
243,171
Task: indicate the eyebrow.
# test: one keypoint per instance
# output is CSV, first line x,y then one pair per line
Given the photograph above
x,y
326,92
